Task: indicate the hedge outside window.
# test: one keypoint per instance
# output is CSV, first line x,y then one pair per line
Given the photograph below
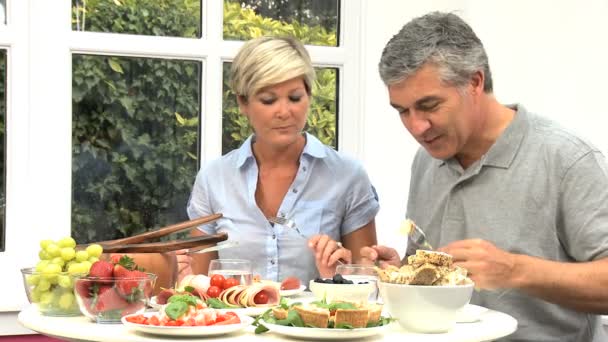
x,y
173,18
2,148
135,131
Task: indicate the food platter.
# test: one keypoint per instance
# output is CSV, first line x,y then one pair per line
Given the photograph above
x,y
323,333
212,330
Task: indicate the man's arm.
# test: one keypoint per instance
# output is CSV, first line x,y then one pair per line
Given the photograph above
x,y
578,286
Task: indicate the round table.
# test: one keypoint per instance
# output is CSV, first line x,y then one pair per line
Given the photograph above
x,y
491,325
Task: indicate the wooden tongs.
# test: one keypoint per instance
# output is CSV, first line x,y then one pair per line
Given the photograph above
x,y
133,244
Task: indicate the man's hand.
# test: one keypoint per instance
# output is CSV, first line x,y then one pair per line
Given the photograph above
x,y
383,255
327,252
489,266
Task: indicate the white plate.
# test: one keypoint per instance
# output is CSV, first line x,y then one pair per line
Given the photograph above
x,y
251,311
324,333
188,331
287,293
470,313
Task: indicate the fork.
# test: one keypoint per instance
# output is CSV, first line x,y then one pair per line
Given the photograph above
x,y
289,223
415,236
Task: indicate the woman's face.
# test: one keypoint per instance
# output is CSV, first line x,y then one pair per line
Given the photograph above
x,y
278,113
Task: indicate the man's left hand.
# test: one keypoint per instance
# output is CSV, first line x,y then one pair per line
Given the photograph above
x,y
488,266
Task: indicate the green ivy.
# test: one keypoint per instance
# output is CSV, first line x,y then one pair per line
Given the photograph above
x,y
136,120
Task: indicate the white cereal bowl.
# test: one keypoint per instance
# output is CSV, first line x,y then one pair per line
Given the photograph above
x,y
342,292
425,309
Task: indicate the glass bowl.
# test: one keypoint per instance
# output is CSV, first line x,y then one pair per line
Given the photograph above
x,y
51,291
108,299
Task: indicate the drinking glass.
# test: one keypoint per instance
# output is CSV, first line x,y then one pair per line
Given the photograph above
x,y
360,273
239,269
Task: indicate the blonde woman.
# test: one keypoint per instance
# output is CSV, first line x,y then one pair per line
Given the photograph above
x,y
282,171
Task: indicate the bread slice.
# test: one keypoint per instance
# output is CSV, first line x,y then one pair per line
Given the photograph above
x,y
432,257
425,275
374,312
357,318
279,313
312,316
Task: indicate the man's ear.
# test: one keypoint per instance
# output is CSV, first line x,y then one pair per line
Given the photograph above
x,y
476,82
242,102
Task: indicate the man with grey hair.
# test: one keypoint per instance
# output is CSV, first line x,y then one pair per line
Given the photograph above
x,y
516,200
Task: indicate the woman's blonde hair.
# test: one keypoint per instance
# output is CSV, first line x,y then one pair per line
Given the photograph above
x,y
265,61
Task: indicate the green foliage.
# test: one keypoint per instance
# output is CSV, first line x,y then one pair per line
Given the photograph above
x,y
136,120
242,24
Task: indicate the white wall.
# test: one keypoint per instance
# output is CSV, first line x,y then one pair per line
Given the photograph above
x,y
551,56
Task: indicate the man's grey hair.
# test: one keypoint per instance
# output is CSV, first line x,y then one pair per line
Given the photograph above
x,y
443,39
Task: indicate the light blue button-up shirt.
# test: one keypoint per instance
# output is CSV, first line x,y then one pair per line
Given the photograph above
x,y
331,194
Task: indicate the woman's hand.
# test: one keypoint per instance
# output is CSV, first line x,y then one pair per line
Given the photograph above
x,y
184,264
327,253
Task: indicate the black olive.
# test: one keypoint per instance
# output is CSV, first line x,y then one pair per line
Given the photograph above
x,y
338,278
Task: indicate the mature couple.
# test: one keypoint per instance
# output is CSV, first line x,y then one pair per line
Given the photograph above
x,y
518,201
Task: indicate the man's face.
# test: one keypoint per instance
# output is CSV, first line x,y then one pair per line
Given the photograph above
x,y
441,118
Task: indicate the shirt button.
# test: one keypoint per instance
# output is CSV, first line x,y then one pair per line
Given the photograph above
x,y
274,236
272,261
303,168
295,191
281,214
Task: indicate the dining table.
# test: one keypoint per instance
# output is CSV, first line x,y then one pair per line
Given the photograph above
x,y
488,325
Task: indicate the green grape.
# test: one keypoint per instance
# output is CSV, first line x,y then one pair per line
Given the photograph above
x,y
94,250
66,300
65,281
50,273
46,298
87,265
67,242
58,261
93,260
35,296
32,279
68,253
41,265
82,256
77,268
44,255
43,285
45,243
53,250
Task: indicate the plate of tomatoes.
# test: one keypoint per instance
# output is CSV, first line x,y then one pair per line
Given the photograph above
x,y
222,323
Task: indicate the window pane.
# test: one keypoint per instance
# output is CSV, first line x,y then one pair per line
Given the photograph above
x,y
135,137
174,18
322,116
314,22
2,147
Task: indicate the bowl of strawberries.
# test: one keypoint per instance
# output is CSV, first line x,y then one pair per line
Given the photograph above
x,y
113,289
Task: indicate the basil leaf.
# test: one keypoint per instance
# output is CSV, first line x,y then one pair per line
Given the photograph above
x,y
176,309
188,299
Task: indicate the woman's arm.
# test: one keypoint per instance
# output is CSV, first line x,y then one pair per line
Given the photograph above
x,y
362,237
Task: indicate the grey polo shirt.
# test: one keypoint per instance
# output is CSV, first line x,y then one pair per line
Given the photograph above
x,y
539,191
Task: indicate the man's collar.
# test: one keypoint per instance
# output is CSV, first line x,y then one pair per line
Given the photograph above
x,y
503,151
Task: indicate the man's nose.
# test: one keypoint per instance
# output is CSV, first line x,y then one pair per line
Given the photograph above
x,y
417,125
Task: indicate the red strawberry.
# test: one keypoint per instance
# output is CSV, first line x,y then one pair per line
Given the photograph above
x,y
115,258
83,288
132,285
107,299
101,269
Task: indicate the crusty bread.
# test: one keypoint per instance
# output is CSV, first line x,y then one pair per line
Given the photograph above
x,y
425,275
432,257
374,312
316,317
357,318
279,313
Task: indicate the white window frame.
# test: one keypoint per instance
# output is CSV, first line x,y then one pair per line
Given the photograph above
x,y
40,45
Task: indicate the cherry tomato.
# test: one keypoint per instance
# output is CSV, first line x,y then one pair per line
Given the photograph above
x,y
261,298
217,280
230,282
214,291
290,283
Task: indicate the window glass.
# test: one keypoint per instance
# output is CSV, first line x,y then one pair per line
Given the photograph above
x,y
322,116
174,18
314,22
2,147
135,138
